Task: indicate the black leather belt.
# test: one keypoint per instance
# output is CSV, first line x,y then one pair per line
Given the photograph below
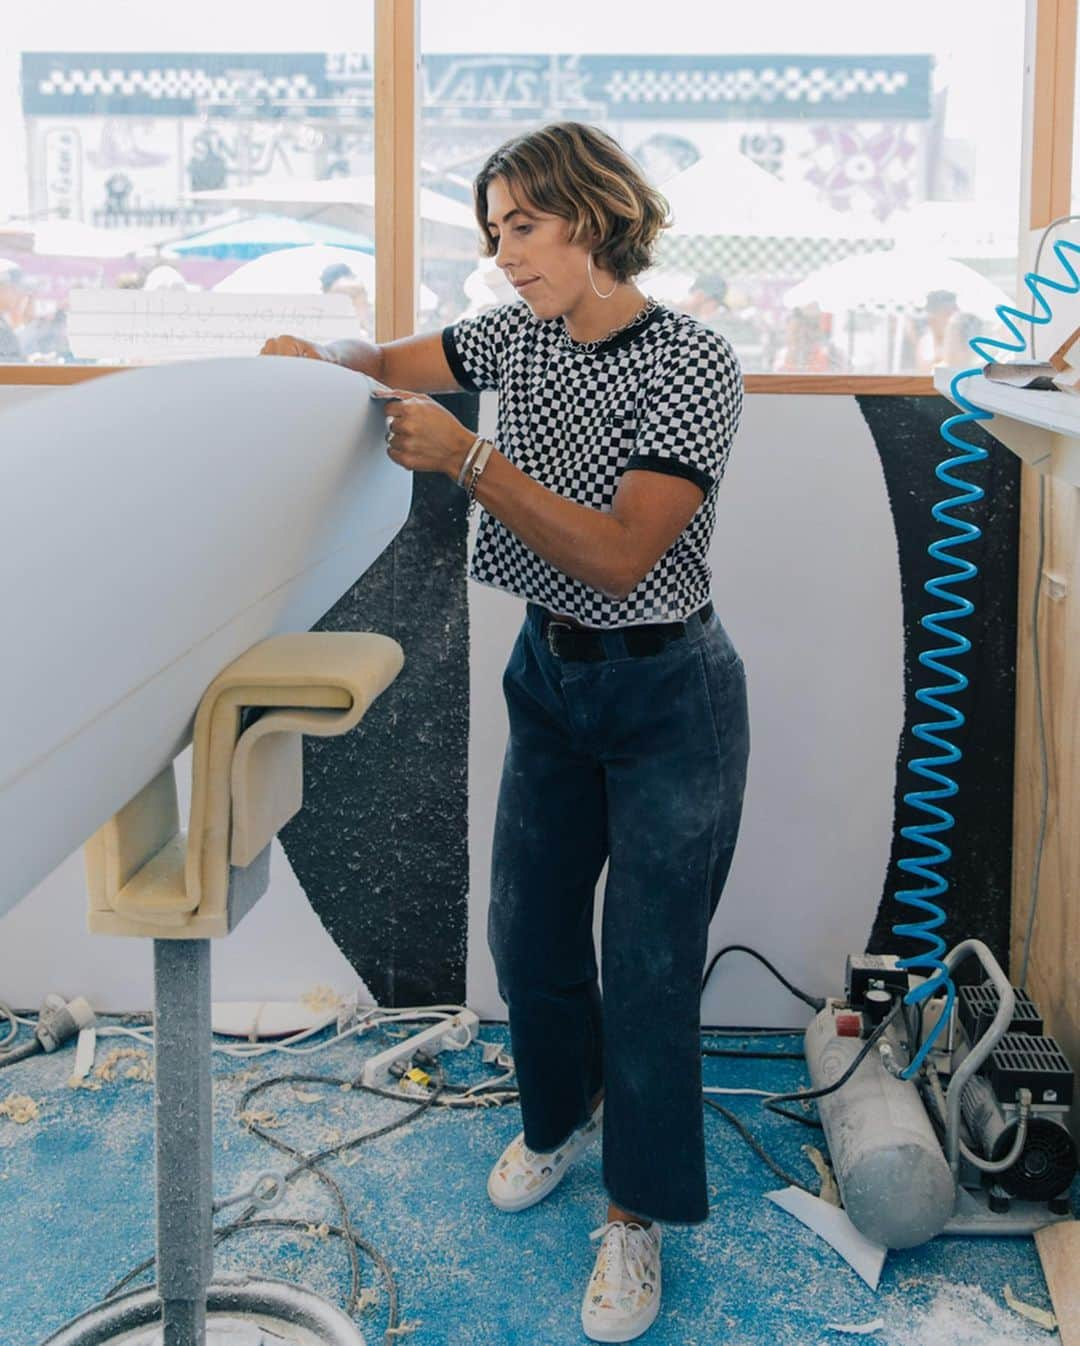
x,y
581,642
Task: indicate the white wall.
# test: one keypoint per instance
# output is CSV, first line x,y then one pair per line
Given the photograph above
x,y
807,582
806,579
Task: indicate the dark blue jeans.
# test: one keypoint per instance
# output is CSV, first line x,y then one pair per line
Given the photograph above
x,y
640,761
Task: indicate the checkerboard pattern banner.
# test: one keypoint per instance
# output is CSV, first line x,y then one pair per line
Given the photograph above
x,y
473,89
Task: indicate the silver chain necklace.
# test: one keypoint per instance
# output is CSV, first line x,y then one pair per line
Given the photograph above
x,y
590,346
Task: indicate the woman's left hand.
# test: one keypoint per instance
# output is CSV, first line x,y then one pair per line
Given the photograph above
x,y
421,435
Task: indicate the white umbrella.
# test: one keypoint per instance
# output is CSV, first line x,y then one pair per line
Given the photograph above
x,y
959,228
299,271
73,238
341,201
250,237
165,277
487,285
667,285
896,280
728,194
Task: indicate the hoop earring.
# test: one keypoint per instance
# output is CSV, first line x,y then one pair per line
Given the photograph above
x,y
588,267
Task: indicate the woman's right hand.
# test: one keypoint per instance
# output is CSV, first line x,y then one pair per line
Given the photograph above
x,y
297,346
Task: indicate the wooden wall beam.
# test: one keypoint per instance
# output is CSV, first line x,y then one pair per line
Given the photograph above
x,y
1052,112
817,385
1055,947
397,185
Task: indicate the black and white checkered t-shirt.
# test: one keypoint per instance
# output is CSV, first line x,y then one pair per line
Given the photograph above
x,y
664,396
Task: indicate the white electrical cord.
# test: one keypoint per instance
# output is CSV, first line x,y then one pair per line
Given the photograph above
x,y
754,1093
372,1017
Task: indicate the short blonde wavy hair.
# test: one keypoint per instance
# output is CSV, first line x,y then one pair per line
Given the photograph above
x,y
582,175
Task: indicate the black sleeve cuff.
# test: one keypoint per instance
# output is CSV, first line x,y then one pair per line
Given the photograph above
x,y
670,467
453,359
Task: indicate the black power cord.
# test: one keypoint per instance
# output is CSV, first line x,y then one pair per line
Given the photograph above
x,y
757,1147
803,1095
310,1163
771,1103
344,1231
815,1002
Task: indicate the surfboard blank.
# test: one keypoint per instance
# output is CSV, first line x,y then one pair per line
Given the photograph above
x,y
155,525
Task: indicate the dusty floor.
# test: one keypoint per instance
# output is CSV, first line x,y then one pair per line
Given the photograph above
x,y
76,1213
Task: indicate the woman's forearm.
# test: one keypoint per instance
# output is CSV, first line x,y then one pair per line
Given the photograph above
x,y
362,356
584,543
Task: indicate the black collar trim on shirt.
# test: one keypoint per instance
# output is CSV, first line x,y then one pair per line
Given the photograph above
x,y
620,339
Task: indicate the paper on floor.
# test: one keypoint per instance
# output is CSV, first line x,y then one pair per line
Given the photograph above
x,y
833,1225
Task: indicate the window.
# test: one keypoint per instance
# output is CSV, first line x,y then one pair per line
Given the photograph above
x,y
844,186
162,175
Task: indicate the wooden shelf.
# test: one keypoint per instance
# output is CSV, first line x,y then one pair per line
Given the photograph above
x,y
1041,427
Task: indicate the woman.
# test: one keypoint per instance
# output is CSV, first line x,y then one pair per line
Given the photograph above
x,y
628,725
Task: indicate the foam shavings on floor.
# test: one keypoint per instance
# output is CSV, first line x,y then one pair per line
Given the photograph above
x,y
81,1172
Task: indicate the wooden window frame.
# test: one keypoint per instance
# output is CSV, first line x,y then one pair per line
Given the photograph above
x,y
397,233
1051,60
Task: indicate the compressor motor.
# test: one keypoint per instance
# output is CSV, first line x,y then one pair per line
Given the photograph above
x,y
977,1141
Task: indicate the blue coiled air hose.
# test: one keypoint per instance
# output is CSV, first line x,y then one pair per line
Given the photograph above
x,y
933,769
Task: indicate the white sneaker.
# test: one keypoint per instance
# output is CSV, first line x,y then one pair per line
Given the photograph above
x,y
521,1177
623,1294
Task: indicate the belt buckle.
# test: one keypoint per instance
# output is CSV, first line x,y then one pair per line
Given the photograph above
x,y
550,637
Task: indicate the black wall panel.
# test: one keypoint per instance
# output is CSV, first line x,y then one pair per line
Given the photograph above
x,y
381,845
906,432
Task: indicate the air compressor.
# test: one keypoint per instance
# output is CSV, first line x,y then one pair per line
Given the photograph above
x,y
977,1141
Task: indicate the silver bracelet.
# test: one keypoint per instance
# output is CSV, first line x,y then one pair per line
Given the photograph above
x,y
478,467
473,447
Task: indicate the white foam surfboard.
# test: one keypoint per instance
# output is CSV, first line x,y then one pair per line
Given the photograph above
x,y
253,1019
154,525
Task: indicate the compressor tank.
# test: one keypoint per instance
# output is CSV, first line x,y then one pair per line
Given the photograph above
x,y
893,1176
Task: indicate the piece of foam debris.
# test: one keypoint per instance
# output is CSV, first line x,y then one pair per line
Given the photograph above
x,y
1029,1311
318,1231
367,1298
303,1096
858,1329
141,1067
829,1191
20,1108
405,1329
251,1118
321,999
238,1079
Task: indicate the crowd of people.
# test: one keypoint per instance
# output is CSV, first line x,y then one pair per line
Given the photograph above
x,y
768,340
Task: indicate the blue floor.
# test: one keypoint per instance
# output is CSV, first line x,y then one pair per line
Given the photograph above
x,y
76,1213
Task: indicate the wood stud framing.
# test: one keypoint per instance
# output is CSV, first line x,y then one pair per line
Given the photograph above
x,y
1055,949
